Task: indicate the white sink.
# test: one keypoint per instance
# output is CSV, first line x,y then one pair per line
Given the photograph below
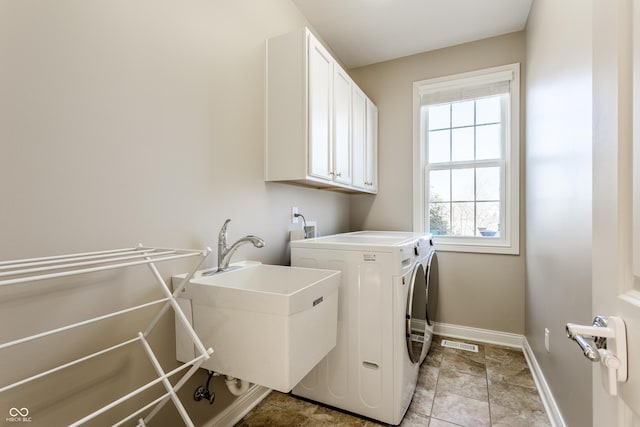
x,y
267,324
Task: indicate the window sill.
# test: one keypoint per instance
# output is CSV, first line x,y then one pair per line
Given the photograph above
x,y
499,247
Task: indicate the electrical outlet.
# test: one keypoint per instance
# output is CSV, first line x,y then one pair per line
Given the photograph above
x,y
294,218
546,339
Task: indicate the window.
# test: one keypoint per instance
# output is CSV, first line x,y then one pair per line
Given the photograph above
x,y
466,166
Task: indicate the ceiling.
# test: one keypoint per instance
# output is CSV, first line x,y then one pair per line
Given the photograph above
x,y
363,32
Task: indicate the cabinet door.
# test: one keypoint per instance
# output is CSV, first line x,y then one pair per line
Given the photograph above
x,y
341,126
371,163
358,137
320,105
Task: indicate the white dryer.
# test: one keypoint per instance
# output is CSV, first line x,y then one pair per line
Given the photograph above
x,y
387,300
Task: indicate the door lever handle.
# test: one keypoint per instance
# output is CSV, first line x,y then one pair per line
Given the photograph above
x,y
582,334
588,351
609,338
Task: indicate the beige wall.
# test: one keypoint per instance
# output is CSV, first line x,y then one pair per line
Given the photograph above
x,y
558,156
488,292
125,122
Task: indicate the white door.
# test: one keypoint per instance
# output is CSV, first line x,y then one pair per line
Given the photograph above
x,y
616,195
341,126
320,107
371,162
364,141
358,132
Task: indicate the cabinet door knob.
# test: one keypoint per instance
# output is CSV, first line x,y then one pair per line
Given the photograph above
x,y
339,174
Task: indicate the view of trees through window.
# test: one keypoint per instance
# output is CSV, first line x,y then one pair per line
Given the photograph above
x,y
465,167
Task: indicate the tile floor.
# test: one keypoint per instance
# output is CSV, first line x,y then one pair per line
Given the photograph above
x,y
492,387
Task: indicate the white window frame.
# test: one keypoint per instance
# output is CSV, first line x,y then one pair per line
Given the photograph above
x,y
508,242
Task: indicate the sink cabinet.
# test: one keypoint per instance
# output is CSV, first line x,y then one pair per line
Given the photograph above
x,y
310,119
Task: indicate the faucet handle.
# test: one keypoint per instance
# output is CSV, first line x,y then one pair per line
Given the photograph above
x,y
222,236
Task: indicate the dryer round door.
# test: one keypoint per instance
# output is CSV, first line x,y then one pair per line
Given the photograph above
x,y
416,312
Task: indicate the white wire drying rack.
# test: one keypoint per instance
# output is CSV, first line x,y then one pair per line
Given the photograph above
x,y
34,269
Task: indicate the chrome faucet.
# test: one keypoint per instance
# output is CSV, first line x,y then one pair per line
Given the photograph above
x,y
225,252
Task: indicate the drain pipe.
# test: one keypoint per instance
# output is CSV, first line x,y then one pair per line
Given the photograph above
x,y
236,386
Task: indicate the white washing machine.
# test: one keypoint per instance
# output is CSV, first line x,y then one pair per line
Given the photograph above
x,y
387,300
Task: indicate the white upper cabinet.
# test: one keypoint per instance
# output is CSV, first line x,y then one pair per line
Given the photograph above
x,y
341,125
371,156
364,140
310,118
320,112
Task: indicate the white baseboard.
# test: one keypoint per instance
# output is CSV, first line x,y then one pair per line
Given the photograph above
x,y
550,405
480,335
239,407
